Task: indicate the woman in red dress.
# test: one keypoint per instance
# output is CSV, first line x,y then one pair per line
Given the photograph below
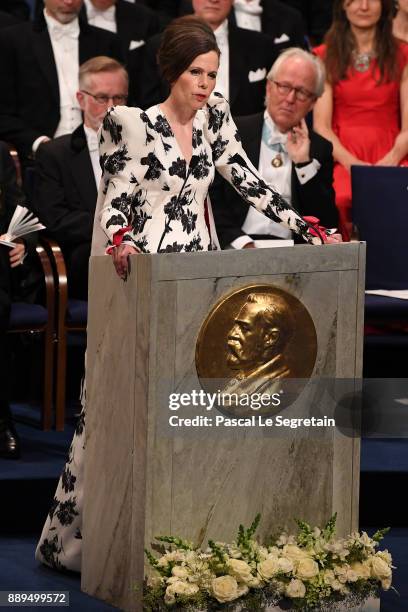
x,y
364,109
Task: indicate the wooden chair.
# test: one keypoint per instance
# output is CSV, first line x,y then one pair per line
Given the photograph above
x,y
70,316
34,318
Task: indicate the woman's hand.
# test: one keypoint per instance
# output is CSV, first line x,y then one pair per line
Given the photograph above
x,y
334,239
120,255
390,159
17,254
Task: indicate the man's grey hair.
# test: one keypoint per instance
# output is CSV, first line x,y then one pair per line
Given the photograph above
x,y
295,52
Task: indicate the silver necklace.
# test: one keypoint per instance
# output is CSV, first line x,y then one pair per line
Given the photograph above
x,y
361,61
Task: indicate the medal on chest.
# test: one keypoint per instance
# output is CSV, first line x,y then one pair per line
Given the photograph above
x,y
277,161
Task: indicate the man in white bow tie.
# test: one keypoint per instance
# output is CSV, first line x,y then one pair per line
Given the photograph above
x,y
133,23
68,170
39,74
282,23
298,162
245,57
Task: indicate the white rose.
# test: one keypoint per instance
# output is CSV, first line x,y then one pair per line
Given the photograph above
x,y
179,588
293,552
352,576
380,569
295,589
263,552
155,581
328,576
341,573
179,571
306,568
363,570
285,565
224,588
269,568
240,570
385,555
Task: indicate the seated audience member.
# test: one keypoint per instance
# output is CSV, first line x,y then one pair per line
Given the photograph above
x,y
297,162
244,61
400,24
39,74
282,23
68,170
364,108
317,16
14,267
133,23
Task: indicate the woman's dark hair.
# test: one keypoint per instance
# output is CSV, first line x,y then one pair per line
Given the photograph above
x,y
183,40
340,43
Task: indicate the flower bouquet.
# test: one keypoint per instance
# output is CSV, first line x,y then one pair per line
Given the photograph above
x,y
312,570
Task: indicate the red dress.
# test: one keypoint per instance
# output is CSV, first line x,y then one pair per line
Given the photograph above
x,y
366,119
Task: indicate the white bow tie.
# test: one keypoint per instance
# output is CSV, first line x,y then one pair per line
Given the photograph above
x,y
108,14
67,30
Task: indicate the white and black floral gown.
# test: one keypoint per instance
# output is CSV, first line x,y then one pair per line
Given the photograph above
x,y
151,199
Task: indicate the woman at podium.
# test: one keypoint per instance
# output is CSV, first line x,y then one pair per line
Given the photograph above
x,y
157,168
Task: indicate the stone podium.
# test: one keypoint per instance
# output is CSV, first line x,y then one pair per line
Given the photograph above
x,y
143,480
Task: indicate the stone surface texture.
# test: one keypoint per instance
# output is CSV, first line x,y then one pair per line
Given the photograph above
x,y
143,480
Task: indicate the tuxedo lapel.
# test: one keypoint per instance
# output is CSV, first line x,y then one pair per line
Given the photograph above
x,y
86,43
42,49
123,23
251,135
82,171
236,65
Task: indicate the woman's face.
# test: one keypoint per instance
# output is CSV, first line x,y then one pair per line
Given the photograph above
x,y
195,85
363,13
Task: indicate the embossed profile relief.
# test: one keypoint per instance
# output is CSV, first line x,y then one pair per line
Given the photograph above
x,y
256,340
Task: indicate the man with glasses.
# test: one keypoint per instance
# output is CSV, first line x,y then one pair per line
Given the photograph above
x,y
298,162
68,170
39,74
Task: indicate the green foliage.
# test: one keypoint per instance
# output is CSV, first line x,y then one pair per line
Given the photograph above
x,y
220,565
379,535
329,529
177,542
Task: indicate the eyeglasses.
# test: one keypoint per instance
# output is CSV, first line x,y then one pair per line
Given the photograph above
x,y
104,99
300,94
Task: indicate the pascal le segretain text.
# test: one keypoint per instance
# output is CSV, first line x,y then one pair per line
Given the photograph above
x,y
251,421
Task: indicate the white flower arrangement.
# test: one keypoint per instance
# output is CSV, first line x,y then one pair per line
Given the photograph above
x,y
310,571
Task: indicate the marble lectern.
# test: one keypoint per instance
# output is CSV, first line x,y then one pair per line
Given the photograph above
x,y
143,480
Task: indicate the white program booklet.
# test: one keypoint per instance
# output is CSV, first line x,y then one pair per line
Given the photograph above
x,y
23,222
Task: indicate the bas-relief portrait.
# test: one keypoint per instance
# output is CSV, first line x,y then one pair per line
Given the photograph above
x,y
257,339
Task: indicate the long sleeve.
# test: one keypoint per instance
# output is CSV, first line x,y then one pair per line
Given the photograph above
x,y
233,164
126,149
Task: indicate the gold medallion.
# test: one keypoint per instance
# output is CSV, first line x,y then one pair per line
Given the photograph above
x,y
277,161
258,339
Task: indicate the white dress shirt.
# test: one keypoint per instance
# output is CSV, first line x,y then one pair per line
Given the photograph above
x,y
65,45
101,19
248,14
221,35
280,178
93,148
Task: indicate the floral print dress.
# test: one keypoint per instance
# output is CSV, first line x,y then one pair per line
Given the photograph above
x,y
152,199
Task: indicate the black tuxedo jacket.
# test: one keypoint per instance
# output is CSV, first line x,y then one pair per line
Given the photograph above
x,y
317,16
248,52
316,197
283,23
29,103
7,20
134,22
65,189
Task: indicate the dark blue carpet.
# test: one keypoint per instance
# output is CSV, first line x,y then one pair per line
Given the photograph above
x,y
20,571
